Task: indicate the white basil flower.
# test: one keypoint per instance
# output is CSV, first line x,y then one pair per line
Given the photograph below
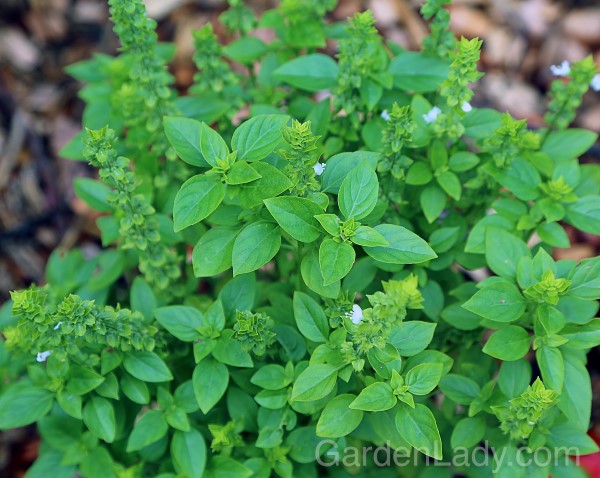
x,y
561,70
42,356
357,314
432,114
466,107
595,84
57,325
385,115
319,168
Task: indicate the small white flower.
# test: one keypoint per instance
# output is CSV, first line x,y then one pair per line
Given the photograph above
x,y
42,356
595,84
357,314
561,70
432,114
56,327
319,168
466,107
385,115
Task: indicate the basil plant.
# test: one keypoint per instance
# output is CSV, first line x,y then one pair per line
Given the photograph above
x,y
313,264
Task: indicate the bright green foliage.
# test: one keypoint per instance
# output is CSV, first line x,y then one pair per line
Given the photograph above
x,y
137,225
463,70
253,331
549,289
146,95
214,74
565,97
332,212
520,417
362,61
510,140
75,327
302,154
440,41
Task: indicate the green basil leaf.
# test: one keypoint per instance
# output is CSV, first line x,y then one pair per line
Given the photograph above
x,y
256,245
311,72
359,191
296,216
21,405
188,451
210,379
99,418
405,247
423,378
213,252
256,138
213,147
338,419
315,382
180,321
184,134
499,301
418,427
150,428
147,366
509,343
418,72
198,197
310,318
335,260
377,397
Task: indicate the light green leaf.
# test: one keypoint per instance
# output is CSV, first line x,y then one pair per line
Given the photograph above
x,y
359,191
509,343
315,382
180,321
185,134
198,197
94,193
418,427
272,183
377,397
150,428
405,247
417,72
296,216
413,337
433,201
210,379
423,378
335,260
310,318
213,252
568,144
213,147
468,432
99,418
188,451
368,237
503,251
313,278
21,405
337,419
311,72
459,389
585,214
340,165
256,245
499,301
256,138
147,366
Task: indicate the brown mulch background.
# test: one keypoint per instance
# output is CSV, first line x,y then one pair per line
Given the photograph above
x,y
40,110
